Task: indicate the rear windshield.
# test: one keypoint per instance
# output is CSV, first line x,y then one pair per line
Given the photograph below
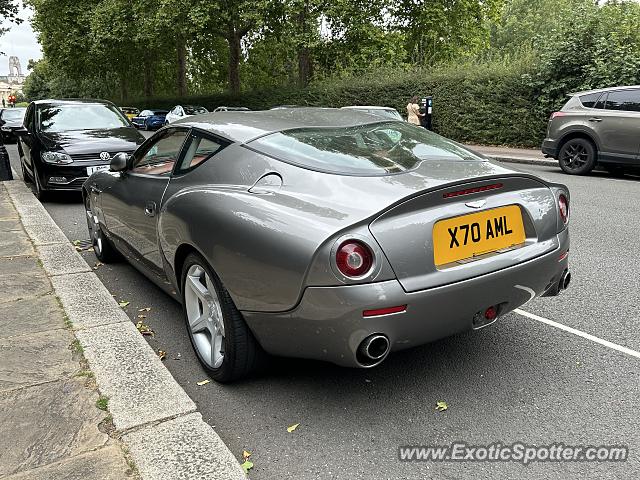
x,y
375,149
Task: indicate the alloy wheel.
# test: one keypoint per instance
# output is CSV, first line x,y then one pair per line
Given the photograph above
x,y
575,156
204,316
94,230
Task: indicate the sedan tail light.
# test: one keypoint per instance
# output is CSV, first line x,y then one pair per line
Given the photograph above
x,y
354,258
563,208
557,114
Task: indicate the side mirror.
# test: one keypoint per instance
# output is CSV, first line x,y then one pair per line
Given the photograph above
x,y
119,162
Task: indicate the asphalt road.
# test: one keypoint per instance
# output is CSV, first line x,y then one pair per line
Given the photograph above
x,y
519,380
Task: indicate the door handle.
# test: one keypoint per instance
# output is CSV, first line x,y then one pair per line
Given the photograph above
x,y
595,119
150,209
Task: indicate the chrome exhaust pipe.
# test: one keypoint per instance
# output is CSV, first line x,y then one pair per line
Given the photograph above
x,y
373,350
565,280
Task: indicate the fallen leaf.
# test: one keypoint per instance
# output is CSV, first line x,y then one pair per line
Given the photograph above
x,y
293,427
246,466
76,242
245,454
142,316
162,354
178,356
441,406
145,309
123,304
78,249
203,382
144,329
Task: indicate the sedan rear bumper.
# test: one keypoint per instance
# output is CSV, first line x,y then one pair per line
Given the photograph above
x,y
328,322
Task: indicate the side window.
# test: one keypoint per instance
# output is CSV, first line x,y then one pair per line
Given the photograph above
x,y
590,99
601,101
200,150
28,117
627,100
160,157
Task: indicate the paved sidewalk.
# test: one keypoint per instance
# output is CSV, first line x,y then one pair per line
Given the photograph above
x,y
50,427
515,155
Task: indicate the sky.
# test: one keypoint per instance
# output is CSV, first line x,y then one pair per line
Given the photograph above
x,y
19,41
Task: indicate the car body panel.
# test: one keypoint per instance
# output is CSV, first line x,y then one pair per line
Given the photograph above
x,y
269,230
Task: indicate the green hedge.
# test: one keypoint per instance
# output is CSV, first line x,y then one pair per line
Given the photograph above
x,y
489,104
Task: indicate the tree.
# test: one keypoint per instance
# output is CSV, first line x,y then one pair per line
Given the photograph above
x,y
8,11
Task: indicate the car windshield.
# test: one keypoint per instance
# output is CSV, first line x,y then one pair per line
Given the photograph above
x,y
82,116
375,149
193,110
13,113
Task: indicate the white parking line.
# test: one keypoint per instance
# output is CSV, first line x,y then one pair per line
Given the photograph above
x,y
580,333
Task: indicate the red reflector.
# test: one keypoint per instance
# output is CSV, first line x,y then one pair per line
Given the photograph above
x,y
491,313
384,311
563,256
557,114
469,191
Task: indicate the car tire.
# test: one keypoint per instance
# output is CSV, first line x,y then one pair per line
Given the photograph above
x,y
38,191
102,247
577,156
223,342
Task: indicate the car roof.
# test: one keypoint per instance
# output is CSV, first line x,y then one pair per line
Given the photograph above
x,y
247,125
601,90
71,101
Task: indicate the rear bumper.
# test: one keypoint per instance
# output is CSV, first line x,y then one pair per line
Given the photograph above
x,y
328,324
550,147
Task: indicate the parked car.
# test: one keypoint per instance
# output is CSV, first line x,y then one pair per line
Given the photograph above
x,y
150,119
386,112
183,111
130,112
62,142
326,233
596,127
231,109
10,121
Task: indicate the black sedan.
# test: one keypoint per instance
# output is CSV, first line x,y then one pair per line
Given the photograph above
x,y
64,141
10,120
150,119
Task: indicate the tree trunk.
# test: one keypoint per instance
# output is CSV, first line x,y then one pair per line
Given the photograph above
x,y
148,78
182,68
234,62
304,55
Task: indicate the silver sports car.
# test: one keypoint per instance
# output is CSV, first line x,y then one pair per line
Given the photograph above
x,y
327,234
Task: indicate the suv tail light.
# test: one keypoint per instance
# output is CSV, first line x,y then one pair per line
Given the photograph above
x,y
354,258
557,114
563,207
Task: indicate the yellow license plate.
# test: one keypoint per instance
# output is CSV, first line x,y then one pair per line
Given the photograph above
x,y
469,236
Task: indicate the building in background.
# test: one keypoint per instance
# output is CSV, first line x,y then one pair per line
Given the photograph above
x,y
13,82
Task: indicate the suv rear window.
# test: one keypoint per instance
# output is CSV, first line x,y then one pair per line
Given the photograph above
x,y
373,149
589,100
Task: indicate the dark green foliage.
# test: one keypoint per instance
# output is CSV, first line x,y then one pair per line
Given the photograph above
x,y
473,103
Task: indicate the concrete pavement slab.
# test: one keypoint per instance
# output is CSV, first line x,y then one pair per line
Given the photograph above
x,y
14,244
30,315
48,422
21,278
184,448
46,234
35,358
10,225
104,464
61,259
86,300
139,387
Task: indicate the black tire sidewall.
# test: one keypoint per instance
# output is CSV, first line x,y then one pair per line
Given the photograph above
x,y
233,322
590,163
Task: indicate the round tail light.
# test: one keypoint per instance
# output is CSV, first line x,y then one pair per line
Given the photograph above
x,y
563,207
354,258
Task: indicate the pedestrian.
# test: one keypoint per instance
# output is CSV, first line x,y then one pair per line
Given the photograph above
x,y
4,105
413,111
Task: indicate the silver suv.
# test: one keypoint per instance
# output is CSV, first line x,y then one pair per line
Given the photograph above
x,y
597,127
